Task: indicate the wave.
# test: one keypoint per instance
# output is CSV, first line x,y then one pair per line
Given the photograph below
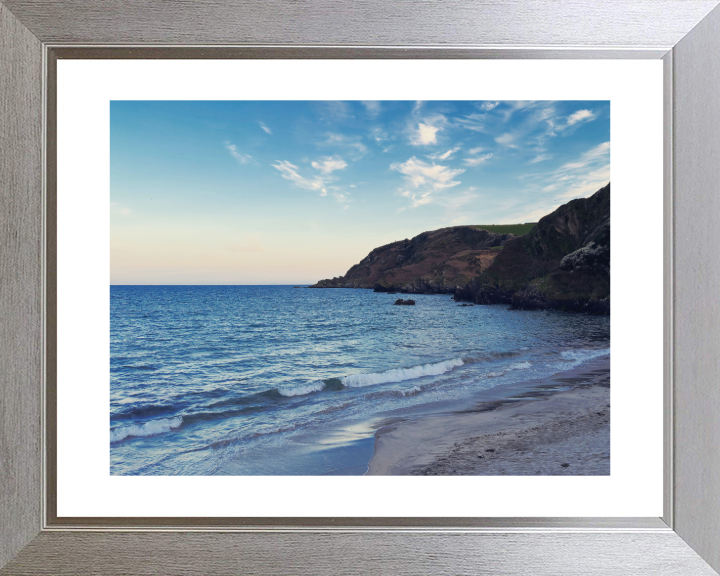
x,y
400,374
151,428
301,389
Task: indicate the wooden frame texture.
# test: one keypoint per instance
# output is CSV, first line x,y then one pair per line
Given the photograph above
x,y
684,33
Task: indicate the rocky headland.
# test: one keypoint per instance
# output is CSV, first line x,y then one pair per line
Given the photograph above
x,y
436,262
563,263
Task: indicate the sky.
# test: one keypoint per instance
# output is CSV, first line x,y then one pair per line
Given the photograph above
x,y
291,192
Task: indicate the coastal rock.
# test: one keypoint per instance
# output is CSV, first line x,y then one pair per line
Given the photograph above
x,y
589,256
563,263
401,302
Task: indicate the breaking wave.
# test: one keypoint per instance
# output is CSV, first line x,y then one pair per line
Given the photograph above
x,y
301,389
400,374
151,428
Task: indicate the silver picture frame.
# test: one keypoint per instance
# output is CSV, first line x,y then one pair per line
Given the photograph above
x,y
685,34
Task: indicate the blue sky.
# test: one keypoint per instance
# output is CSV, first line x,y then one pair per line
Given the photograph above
x,y
283,192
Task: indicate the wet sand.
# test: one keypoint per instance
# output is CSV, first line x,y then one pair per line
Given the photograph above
x,y
541,431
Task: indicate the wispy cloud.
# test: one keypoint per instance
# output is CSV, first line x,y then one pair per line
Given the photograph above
x,y
477,160
577,179
336,110
475,122
540,158
425,179
120,209
487,106
316,182
506,139
581,116
352,145
444,155
239,156
291,172
566,125
267,130
373,107
329,164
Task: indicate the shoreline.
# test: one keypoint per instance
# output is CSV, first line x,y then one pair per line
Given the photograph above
x,y
546,430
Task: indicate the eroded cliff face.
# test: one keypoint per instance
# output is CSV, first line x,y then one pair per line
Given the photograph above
x,y
563,263
430,263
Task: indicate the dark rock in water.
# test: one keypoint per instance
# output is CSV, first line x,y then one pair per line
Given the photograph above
x,y
565,465
401,302
464,305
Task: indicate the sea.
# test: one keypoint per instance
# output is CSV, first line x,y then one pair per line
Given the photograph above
x,y
290,380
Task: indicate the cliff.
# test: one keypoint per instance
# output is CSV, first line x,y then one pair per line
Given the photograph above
x,y
563,263
430,263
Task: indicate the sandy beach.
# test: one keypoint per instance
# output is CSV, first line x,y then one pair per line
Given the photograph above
x,y
546,430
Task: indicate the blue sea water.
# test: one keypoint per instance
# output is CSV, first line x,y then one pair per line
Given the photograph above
x,y
277,380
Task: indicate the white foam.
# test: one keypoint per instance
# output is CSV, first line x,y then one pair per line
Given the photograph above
x,y
495,374
148,429
412,391
302,389
520,366
583,355
401,374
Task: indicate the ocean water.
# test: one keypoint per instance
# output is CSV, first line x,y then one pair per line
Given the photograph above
x,y
277,380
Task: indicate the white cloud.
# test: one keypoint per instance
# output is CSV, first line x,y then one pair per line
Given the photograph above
x,y
329,165
427,130
444,155
478,159
424,135
488,105
239,156
474,151
581,116
265,128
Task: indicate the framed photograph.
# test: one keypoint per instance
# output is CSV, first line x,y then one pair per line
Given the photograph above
x,y
268,301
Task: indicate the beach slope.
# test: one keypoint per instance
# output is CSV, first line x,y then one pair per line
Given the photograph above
x,y
542,431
